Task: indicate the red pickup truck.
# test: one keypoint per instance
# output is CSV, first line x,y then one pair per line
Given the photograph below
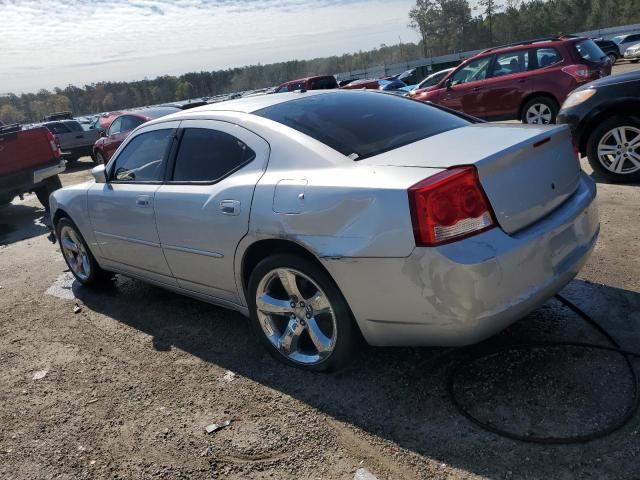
x,y
30,161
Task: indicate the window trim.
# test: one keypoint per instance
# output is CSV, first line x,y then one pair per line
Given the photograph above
x,y
111,125
534,57
171,163
494,63
490,66
112,163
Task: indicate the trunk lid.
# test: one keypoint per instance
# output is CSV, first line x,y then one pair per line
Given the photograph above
x,y
526,171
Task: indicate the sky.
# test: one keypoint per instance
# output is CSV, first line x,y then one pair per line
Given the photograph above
x,y
44,44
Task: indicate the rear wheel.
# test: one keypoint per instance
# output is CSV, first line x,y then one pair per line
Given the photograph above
x,y
613,57
540,111
49,186
613,149
299,314
77,255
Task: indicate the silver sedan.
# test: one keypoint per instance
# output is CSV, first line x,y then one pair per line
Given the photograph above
x,y
328,215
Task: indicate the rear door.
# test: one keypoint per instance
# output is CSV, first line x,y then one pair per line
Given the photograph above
x,y
467,89
203,210
508,84
122,211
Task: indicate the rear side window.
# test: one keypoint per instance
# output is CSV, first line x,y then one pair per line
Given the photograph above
x,y
208,155
57,128
129,123
547,56
362,124
115,126
142,158
510,63
588,50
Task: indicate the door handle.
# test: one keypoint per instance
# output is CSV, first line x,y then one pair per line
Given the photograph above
x,y
230,207
477,89
142,200
522,80
79,136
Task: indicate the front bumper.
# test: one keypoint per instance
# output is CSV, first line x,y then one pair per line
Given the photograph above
x,y
466,291
632,55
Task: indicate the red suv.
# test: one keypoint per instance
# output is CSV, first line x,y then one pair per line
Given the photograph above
x,y
526,81
324,82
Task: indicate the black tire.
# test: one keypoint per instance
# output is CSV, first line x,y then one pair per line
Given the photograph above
x,y
598,134
613,57
6,199
544,101
345,342
98,159
96,275
47,187
635,61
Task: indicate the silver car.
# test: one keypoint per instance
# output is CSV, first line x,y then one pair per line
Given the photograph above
x,y
324,215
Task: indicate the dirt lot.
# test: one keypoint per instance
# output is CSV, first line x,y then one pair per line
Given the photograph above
x,y
137,374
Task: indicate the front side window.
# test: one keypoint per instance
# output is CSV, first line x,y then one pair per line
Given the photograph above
x,y
473,71
207,155
510,63
547,56
115,126
74,126
130,123
282,89
142,158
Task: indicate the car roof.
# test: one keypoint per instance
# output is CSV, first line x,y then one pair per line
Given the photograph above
x,y
251,104
531,44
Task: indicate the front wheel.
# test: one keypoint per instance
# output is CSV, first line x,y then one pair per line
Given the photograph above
x,y
99,159
540,111
49,186
77,255
299,314
613,149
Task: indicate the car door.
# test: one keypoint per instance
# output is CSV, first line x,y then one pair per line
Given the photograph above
x,y
508,84
465,87
202,211
122,211
114,137
77,137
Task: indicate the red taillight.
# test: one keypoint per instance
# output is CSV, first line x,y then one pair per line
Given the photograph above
x,y
580,73
449,206
54,143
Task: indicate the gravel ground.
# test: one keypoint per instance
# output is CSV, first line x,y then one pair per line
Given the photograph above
x,y
136,375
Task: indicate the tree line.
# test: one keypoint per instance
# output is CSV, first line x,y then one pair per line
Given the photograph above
x,y
444,26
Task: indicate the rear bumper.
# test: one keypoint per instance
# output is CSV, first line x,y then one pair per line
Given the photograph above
x,y
466,291
76,152
27,180
49,171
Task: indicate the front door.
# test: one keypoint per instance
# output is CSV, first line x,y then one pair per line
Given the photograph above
x,y
466,90
203,210
113,138
122,211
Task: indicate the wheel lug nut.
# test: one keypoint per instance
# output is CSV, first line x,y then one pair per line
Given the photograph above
x,y
293,304
308,315
301,304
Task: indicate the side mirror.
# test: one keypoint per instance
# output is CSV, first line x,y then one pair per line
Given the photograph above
x,y
99,174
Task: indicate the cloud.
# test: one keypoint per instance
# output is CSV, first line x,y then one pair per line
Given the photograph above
x,y
78,42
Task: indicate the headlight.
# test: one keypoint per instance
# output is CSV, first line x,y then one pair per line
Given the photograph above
x,y
576,98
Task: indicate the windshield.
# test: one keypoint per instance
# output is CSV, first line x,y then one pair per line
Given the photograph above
x,y
618,39
362,124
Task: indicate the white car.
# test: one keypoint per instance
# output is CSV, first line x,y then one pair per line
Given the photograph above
x,y
626,41
633,53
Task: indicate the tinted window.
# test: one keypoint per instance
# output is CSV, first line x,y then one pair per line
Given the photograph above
x,y
323,83
141,159
74,126
129,123
633,38
115,126
208,155
510,63
472,71
547,56
282,89
588,50
362,124
57,128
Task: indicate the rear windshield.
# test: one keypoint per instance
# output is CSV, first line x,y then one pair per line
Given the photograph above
x,y
362,124
589,50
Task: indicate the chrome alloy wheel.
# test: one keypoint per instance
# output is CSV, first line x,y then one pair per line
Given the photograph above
x,y
619,150
75,252
296,316
539,113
